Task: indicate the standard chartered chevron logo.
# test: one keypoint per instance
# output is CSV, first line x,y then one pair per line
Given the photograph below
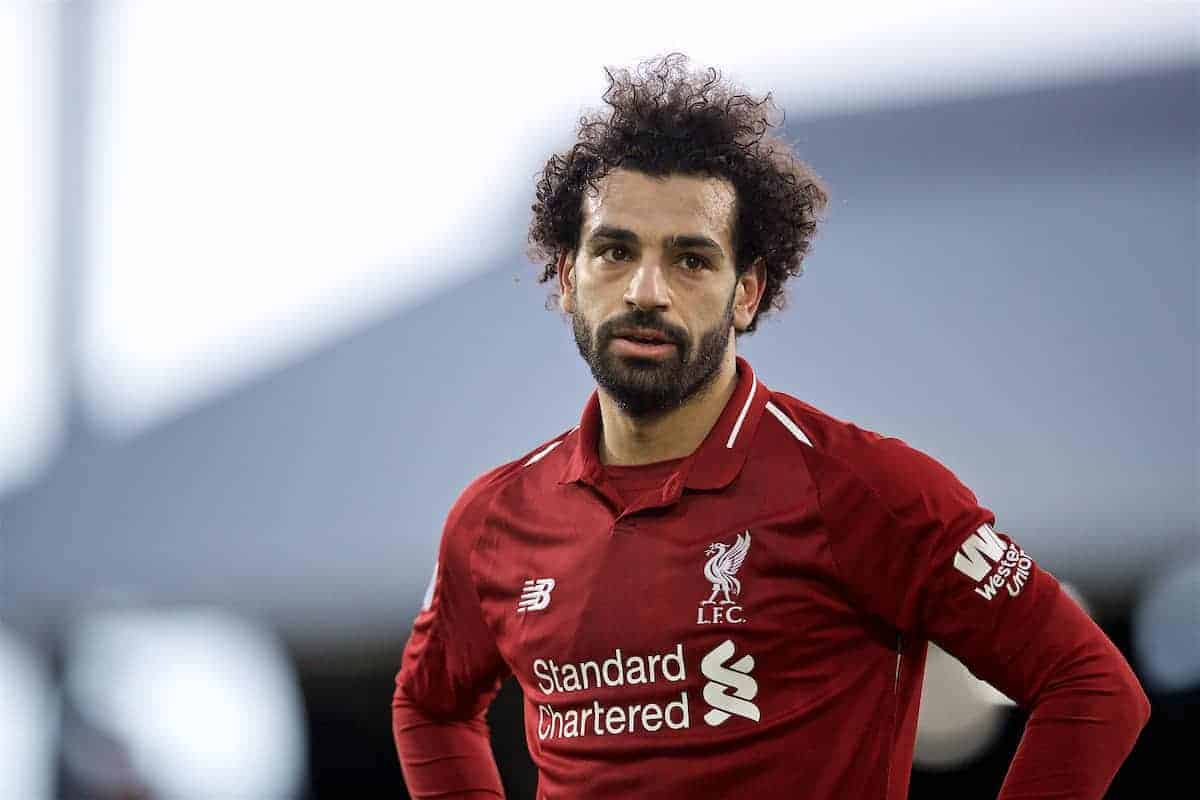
x,y
730,688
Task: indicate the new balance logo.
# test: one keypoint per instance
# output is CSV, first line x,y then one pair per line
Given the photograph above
x,y
730,688
535,594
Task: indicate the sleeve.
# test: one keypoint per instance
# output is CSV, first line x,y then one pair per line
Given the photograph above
x,y
916,549
449,673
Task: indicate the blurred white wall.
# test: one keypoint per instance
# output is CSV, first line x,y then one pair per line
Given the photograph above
x,y
29,711
31,403
266,177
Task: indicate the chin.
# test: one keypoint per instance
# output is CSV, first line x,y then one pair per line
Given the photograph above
x,y
643,365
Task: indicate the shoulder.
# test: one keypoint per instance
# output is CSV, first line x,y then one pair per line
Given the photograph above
x,y
904,478
473,501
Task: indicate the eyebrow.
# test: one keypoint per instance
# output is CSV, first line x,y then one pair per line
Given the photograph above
x,y
616,234
681,241
693,241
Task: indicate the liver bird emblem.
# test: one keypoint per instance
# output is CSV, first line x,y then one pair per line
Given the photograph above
x,y
722,568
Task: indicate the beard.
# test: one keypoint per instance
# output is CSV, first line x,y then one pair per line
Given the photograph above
x,y
649,387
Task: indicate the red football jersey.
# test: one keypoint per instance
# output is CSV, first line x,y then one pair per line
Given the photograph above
x,y
750,622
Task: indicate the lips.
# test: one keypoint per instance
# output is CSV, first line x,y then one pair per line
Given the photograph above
x,y
644,336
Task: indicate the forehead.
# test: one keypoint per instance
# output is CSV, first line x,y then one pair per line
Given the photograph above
x,y
661,206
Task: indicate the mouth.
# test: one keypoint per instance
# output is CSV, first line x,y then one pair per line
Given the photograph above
x,y
643,344
644,336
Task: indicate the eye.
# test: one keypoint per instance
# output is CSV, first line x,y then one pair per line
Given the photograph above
x,y
693,262
614,252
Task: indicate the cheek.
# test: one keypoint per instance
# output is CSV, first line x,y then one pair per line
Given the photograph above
x,y
720,305
600,281
598,294
583,309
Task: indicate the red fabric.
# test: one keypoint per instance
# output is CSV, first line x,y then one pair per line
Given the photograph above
x,y
450,672
631,482
652,668
442,757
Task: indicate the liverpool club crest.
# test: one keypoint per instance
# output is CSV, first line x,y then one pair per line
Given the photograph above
x,y
721,571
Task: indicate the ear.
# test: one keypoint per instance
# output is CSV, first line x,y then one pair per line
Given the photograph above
x,y
749,292
566,281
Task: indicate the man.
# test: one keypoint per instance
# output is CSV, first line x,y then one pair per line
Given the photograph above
x,y
709,588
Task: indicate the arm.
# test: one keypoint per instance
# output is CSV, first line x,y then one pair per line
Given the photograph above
x,y
449,674
920,553
1087,707
444,758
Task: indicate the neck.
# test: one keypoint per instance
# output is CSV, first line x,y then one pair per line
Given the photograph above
x,y
629,441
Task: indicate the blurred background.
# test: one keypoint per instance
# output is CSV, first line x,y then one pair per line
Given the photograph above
x,y
265,311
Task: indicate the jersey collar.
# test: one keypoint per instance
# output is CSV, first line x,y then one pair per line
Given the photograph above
x,y
713,465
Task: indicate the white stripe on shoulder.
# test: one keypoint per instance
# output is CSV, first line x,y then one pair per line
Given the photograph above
x,y
539,455
737,426
787,423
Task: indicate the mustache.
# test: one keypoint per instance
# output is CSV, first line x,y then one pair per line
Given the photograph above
x,y
641,319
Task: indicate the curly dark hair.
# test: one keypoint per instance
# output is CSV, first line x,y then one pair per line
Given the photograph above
x,y
664,118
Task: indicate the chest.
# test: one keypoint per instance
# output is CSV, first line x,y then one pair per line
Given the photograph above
x,y
667,583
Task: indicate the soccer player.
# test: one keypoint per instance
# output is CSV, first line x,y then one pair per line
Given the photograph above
x,y
709,588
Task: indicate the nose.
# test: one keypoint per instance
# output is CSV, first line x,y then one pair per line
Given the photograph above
x,y
647,287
